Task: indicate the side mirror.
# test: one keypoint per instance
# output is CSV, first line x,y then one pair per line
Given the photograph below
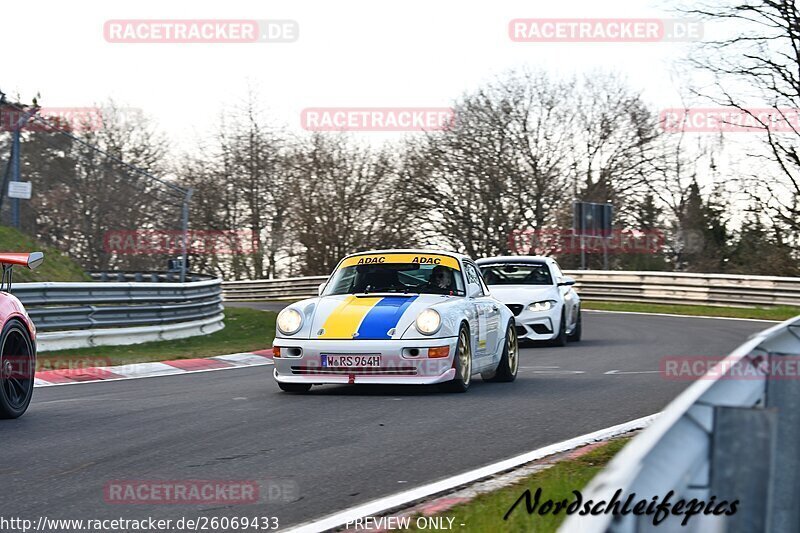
x,y
473,290
321,288
566,280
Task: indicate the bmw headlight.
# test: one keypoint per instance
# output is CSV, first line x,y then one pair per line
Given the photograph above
x,y
428,322
289,321
541,306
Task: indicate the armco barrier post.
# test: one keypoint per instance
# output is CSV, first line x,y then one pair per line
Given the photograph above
x,y
784,490
741,463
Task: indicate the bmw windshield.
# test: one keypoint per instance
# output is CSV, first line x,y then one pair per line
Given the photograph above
x,y
517,274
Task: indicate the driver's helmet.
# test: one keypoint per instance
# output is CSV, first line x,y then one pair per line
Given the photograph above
x,y
441,277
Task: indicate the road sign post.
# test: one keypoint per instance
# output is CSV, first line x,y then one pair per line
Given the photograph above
x,y
594,220
14,166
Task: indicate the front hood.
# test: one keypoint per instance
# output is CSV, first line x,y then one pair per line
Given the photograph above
x,y
523,294
378,316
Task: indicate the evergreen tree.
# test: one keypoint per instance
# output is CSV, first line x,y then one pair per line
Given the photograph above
x,y
761,250
648,251
701,233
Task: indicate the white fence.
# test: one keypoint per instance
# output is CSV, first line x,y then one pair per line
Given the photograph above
x,y
616,286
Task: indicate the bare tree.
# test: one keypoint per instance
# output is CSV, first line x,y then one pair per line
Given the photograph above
x,y
760,59
345,199
616,137
87,188
502,166
241,195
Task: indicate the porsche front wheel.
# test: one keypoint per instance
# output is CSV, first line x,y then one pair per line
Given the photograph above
x,y
17,368
509,361
462,362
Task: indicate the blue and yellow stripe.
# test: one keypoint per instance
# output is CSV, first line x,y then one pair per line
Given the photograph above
x,y
369,317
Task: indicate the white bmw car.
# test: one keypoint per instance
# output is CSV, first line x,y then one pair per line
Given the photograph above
x,y
542,298
399,317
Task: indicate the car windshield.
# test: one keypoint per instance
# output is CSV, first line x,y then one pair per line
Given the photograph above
x,y
517,274
412,278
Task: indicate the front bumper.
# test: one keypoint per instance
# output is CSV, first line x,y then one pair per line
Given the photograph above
x,y
301,361
538,325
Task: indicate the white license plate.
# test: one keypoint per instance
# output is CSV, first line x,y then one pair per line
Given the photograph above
x,y
355,361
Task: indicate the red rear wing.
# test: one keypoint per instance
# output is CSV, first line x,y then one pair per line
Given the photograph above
x,y
31,260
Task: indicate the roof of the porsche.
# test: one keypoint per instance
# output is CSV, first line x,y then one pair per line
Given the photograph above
x,y
410,251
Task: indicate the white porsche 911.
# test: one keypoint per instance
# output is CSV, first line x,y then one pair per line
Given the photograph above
x,y
397,317
544,303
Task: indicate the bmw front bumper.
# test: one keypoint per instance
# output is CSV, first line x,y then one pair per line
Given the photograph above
x,y
538,325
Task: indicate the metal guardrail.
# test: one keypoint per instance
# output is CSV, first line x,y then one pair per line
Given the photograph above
x,y
73,315
687,288
153,276
734,434
272,289
616,286
61,306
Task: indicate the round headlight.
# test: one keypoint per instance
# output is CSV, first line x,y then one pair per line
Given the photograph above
x,y
428,322
289,321
541,306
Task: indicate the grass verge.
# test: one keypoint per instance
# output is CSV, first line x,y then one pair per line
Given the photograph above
x,y
56,266
245,330
485,513
765,313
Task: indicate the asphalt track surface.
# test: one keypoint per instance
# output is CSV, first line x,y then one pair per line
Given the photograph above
x,y
340,445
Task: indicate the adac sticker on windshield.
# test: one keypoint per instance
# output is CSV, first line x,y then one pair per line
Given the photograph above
x,y
422,259
371,260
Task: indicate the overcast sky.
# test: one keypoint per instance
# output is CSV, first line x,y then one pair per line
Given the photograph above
x,y
420,53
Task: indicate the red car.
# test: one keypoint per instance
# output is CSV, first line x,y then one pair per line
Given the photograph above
x,y
17,341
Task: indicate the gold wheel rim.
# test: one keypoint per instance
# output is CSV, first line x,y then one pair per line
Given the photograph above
x,y
464,358
513,350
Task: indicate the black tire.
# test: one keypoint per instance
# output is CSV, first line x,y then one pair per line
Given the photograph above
x,y
294,387
561,338
17,369
463,355
575,336
509,362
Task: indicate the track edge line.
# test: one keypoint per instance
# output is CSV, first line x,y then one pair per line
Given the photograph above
x,y
409,497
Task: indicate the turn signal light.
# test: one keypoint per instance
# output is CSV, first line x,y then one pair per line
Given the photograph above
x,y
438,351
276,351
